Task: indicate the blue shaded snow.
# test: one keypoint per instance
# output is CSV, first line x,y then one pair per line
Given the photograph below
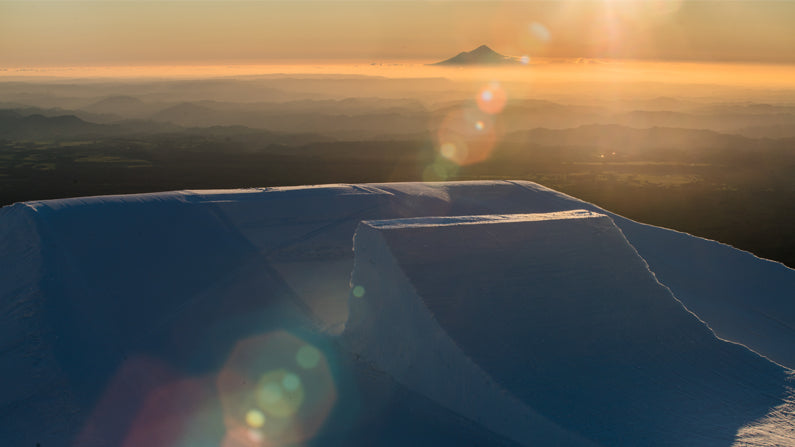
x,y
558,312
112,304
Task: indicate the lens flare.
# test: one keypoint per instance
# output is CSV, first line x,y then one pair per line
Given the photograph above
x,y
464,137
492,98
275,389
275,399
149,403
255,418
307,357
448,150
242,437
540,32
440,170
533,38
291,382
456,153
358,291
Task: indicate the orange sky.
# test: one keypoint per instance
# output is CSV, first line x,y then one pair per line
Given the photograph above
x,y
117,32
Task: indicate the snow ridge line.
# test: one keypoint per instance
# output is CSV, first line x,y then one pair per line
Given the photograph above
x,y
684,307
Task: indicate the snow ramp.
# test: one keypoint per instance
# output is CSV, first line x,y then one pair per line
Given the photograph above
x,y
549,329
114,306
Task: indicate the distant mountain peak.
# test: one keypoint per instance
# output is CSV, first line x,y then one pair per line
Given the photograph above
x,y
482,55
484,49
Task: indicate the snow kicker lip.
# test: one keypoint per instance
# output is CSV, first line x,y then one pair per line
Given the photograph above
x,y
560,313
445,221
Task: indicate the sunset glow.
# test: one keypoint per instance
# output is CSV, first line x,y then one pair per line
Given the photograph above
x,y
546,73
117,32
272,223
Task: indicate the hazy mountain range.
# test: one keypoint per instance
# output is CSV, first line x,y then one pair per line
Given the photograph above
x,y
363,118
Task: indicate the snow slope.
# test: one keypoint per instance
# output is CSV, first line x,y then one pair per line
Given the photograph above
x,y
548,325
113,304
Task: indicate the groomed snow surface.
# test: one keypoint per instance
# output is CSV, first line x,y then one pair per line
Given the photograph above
x,y
465,313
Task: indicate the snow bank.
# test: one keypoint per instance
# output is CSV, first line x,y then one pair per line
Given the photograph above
x,y
392,327
107,300
741,297
548,329
33,381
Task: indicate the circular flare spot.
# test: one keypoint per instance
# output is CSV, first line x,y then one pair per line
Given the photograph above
x,y
277,388
467,136
271,393
255,418
533,38
358,291
275,399
492,99
307,357
448,150
540,31
291,382
455,153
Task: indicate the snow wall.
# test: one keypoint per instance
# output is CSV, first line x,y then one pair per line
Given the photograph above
x,y
153,319
547,321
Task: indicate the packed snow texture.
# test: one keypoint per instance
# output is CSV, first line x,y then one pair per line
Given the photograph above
x,y
556,312
120,314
